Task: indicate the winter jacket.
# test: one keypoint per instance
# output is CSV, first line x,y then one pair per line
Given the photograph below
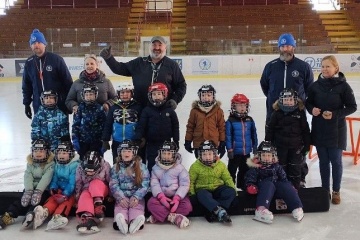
x,y
56,76
121,121
106,92
50,125
38,175
122,183
88,123
334,95
141,71
209,177
203,126
172,181
298,75
64,177
241,135
289,130
83,181
158,124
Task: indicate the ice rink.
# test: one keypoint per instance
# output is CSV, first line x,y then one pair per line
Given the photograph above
x,y
341,222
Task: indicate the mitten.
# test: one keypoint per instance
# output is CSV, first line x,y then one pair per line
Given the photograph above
x,y
221,149
36,197
165,201
133,202
230,154
188,147
175,203
26,198
28,112
171,103
76,144
59,198
105,53
252,189
124,202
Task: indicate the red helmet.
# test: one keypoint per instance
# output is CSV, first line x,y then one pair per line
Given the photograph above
x,y
239,98
158,87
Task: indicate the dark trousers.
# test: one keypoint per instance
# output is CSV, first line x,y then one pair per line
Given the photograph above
x,y
292,161
222,196
152,151
238,163
96,145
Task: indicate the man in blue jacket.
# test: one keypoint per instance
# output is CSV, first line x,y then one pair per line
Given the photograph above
x,y
44,71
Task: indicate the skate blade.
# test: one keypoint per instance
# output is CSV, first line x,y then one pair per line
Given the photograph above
x,y
56,227
299,220
262,220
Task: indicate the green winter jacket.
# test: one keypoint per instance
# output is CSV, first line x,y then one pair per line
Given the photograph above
x,y
209,177
38,176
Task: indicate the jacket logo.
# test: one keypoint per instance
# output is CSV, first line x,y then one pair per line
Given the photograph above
x,y
295,73
49,68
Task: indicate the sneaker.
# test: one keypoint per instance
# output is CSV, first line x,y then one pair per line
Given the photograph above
x,y
335,198
298,214
179,220
99,212
57,222
263,215
28,220
40,215
151,219
88,226
6,219
136,224
121,223
223,216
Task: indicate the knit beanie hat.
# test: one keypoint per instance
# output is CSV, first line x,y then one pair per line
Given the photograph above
x,y
286,39
37,36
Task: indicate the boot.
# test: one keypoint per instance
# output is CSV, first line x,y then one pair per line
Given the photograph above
x,y
6,219
335,199
41,215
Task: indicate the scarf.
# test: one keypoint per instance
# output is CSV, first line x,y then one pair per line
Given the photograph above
x,y
91,76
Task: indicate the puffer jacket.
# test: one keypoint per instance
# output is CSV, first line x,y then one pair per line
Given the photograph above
x,y
106,93
172,181
50,125
209,177
64,177
203,126
38,175
334,95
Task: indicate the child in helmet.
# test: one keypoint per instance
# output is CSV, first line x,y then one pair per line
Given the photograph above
x,y
129,184
88,123
121,119
206,122
157,124
49,122
241,138
211,184
170,184
38,174
289,130
62,188
267,179
92,180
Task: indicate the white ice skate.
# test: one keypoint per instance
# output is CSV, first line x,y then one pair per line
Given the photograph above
x,y
121,223
28,220
57,222
264,216
41,215
179,220
136,224
88,226
298,214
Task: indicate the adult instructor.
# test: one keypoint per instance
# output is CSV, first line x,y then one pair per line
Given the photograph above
x,y
151,69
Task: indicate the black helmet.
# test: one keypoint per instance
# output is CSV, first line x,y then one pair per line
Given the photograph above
x,y
48,93
40,144
207,145
89,88
64,146
168,146
127,145
267,147
91,162
288,93
203,89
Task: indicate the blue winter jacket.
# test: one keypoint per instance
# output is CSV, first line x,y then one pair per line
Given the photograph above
x,y
56,76
241,135
64,177
50,125
277,75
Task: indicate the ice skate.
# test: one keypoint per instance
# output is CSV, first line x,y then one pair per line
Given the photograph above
x,y
151,219
40,215
179,220
223,216
136,224
28,220
57,222
88,226
298,214
5,220
263,215
121,223
99,212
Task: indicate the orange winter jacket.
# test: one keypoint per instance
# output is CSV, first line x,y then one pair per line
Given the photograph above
x,y
203,126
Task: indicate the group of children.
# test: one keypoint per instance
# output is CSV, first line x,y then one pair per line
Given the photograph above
x,y
52,187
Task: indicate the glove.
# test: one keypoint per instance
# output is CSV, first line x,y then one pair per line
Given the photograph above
x,y
105,146
230,154
36,197
26,198
133,202
175,203
252,189
124,202
188,147
105,53
76,144
59,198
221,149
171,103
28,112
165,201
